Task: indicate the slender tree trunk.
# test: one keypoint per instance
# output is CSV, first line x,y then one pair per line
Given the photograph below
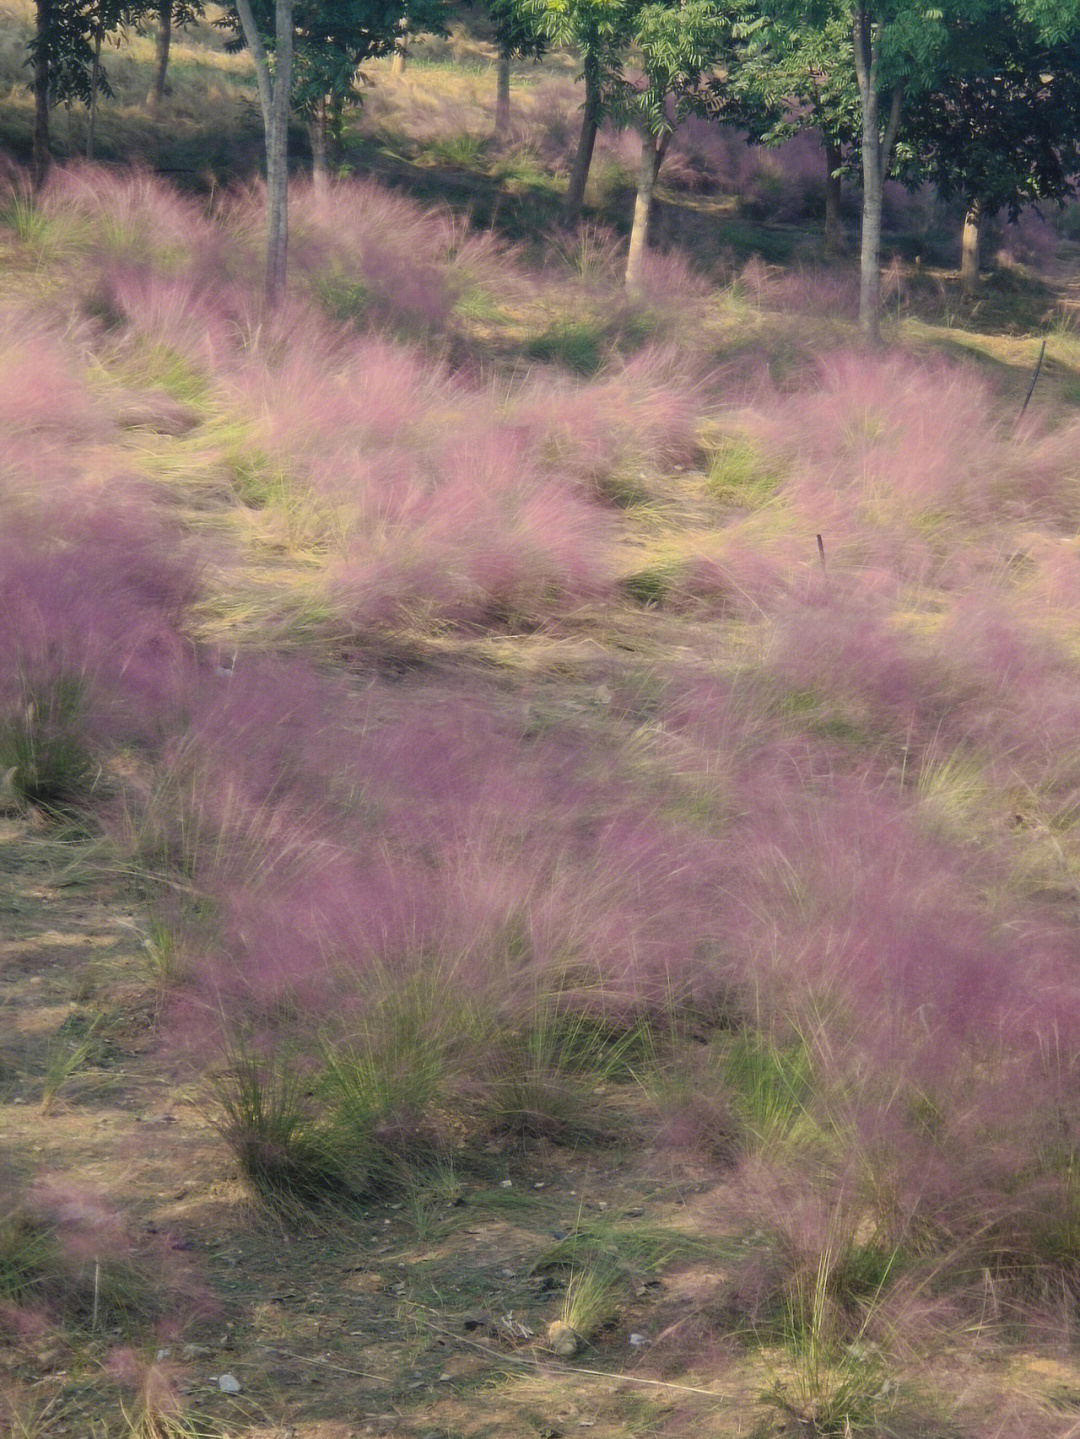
x,y
969,248
320,165
42,34
876,152
653,149
401,51
502,94
95,86
870,249
334,114
156,93
835,235
590,124
274,96
277,172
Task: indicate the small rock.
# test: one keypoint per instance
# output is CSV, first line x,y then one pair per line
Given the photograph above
x,y
638,1341
507,1184
162,1354
229,1384
550,1432
635,1212
476,1319
191,1352
564,1341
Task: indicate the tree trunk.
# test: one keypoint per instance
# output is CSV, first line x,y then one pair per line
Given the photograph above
x,y
320,165
156,93
835,234
502,94
870,250
401,52
652,155
274,96
95,86
969,248
277,162
876,153
334,114
590,124
42,41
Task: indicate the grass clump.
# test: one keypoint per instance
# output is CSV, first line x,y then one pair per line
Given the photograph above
x,y
78,1041
649,587
44,758
770,1087
548,1076
367,1116
831,1387
738,474
265,1113
345,299
591,1302
580,346
66,1257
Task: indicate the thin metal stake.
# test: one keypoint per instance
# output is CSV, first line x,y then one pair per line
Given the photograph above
x,y
1035,376
821,551
97,1285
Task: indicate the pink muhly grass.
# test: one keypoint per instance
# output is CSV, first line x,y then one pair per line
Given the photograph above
x,y
839,637
821,292
644,413
890,436
1029,240
42,395
440,529
407,265
487,537
75,1257
321,408
782,183
200,320
95,597
131,215
669,281
300,894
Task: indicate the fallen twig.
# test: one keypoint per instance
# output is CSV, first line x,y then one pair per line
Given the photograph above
x,y
531,1362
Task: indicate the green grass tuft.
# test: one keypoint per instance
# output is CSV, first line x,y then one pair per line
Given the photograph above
x,y
579,346
44,758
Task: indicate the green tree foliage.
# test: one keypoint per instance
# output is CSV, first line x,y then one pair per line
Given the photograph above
x,y
1003,131
65,59
796,77
901,49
